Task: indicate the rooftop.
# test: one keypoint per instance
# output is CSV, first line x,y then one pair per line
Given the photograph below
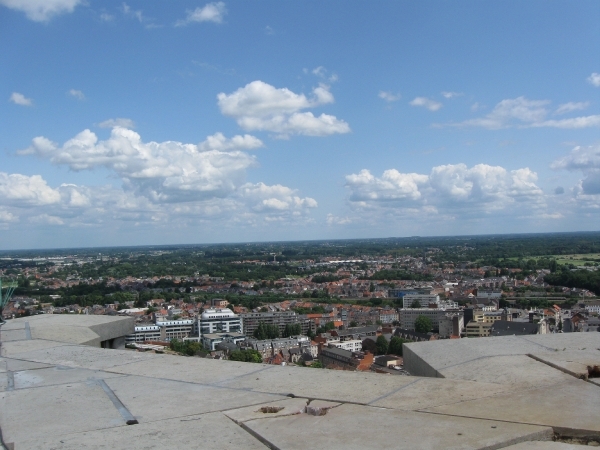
x,y
60,390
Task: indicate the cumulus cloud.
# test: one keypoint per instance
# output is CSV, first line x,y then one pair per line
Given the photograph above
x,y
137,14
274,198
76,94
523,112
23,190
218,141
451,188
425,102
586,160
594,79
20,99
211,12
41,10
118,122
164,172
389,96
260,106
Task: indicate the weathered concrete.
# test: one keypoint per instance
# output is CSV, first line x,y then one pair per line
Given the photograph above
x,y
428,358
212,431
58,395
176,399
55,411
359,427
519,371
575,363
571,408
544,445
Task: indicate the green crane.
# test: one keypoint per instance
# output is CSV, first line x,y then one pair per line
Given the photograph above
x,y
5,297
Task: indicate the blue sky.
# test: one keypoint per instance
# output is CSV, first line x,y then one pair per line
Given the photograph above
x,y
155,122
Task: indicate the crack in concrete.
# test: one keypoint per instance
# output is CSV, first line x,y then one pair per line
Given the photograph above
x,y
393,392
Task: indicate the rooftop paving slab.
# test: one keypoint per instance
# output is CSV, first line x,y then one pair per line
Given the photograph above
x,y
55,410
359,427
518,371
15,348
334,385
213,431
541,445
429,392
575,363
82,356
57,375
178,399
571,408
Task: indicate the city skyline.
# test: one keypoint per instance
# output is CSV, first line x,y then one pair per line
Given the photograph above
x,y
143,123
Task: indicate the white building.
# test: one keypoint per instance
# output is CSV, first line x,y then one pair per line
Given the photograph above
x,y
143,333
219,320
451,324
424,300
175,329
352,345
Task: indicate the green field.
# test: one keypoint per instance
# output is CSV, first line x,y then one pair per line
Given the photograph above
x,y
578,260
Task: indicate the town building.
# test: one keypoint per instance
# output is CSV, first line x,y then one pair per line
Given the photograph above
x,y
337,358
219,320
250,321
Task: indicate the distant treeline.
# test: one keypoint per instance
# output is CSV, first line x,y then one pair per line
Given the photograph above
x,y
582,279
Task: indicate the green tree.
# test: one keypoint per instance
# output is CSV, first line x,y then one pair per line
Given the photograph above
x,y
415,304
395,347
354,323
382,345
246,355
423,324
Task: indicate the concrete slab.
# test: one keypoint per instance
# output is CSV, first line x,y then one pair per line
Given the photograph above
x,y
150,399
541,445
10,325
214,431
281,408
575,362
333,385
519,371
14,335
353,427
426,358
14,365
430,392
571,408
15,348
57,375
83,356
54,411
192,369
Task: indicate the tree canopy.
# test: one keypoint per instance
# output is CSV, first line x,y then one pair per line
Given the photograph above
x,y
423,324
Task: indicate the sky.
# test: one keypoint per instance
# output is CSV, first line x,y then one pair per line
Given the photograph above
x,y
181,122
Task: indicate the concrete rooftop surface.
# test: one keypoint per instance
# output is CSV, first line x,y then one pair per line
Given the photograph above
x,y
61,390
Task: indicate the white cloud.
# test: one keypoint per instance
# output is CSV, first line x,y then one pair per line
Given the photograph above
x,y
106,17
524,113
571,106
77,94
389,96
163,172
137,14
576,122
425,102
218,141
118,122
260,106
586,160
269,30
449,188
42,10
20,99
6,216
449,95
279,198
335,220
594,79
23,190
46,219
211,12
